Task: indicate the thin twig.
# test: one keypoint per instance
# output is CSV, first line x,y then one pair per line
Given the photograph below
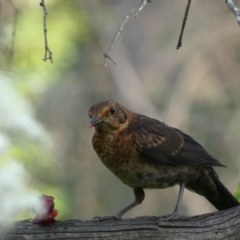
x,y
48,54
133,13
16,12
234,9
0,14
179,44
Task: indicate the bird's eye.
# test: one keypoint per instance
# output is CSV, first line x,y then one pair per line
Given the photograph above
x,y
112,110
90,116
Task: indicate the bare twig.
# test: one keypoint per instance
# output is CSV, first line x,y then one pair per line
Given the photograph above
x,y
48,54
0,14
16,12
234,9
179,44
133,13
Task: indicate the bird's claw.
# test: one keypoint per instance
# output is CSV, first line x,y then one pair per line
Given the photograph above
x,y
170,217
100,219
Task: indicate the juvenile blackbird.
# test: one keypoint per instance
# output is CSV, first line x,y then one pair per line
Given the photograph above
x,y
146,153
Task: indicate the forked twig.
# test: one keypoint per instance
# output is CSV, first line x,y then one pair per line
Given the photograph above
x,y
133,13
48,54
234,9
179,44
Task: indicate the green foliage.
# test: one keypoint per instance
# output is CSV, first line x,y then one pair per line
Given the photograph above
x,y
25,140
22,137
67,31
237,193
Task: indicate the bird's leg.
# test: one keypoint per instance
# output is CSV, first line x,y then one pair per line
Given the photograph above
x,y
175,214
139,197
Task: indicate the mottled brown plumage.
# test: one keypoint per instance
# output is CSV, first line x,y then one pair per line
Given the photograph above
x,y
146,153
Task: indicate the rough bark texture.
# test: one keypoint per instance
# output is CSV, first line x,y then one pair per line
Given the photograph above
x,y
219,225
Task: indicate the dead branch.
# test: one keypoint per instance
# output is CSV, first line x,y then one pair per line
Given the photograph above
x,y
234,9
133,13
48,53
15,18
179,44
219,225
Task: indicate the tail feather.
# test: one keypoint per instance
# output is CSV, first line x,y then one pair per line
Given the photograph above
x,y
209,186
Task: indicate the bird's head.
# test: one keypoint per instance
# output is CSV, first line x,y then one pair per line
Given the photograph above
x,y
107,116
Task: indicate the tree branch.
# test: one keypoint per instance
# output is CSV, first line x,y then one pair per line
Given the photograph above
x,y
219,225
133,13
234,9
48,53
179,44
16,12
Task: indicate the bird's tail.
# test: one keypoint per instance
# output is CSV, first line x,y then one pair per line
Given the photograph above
x,y
209,186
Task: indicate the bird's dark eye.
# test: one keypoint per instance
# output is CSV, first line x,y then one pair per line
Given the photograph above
x,y
90,116
112,110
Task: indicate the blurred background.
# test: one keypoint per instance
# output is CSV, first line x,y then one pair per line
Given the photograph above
x,y
44,106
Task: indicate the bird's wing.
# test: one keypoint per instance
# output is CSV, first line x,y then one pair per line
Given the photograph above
x,y
165,144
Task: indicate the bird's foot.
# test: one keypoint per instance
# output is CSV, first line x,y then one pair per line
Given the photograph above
x,y
170,217
100,219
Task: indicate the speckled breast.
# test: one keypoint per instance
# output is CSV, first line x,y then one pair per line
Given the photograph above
x,y
135,170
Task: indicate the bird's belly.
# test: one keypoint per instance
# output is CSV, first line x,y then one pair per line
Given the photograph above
x,y
135,171
152,177
148,176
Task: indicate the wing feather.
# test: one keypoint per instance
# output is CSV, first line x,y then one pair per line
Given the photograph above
x,y
159,142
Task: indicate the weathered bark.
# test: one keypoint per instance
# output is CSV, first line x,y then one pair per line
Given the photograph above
x,y
219,225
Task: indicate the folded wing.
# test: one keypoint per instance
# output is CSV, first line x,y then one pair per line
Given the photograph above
x,y
161,143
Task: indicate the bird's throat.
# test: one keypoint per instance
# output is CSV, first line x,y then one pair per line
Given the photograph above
x,y
104,128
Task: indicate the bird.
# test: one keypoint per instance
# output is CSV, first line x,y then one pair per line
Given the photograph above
x,y
145,153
